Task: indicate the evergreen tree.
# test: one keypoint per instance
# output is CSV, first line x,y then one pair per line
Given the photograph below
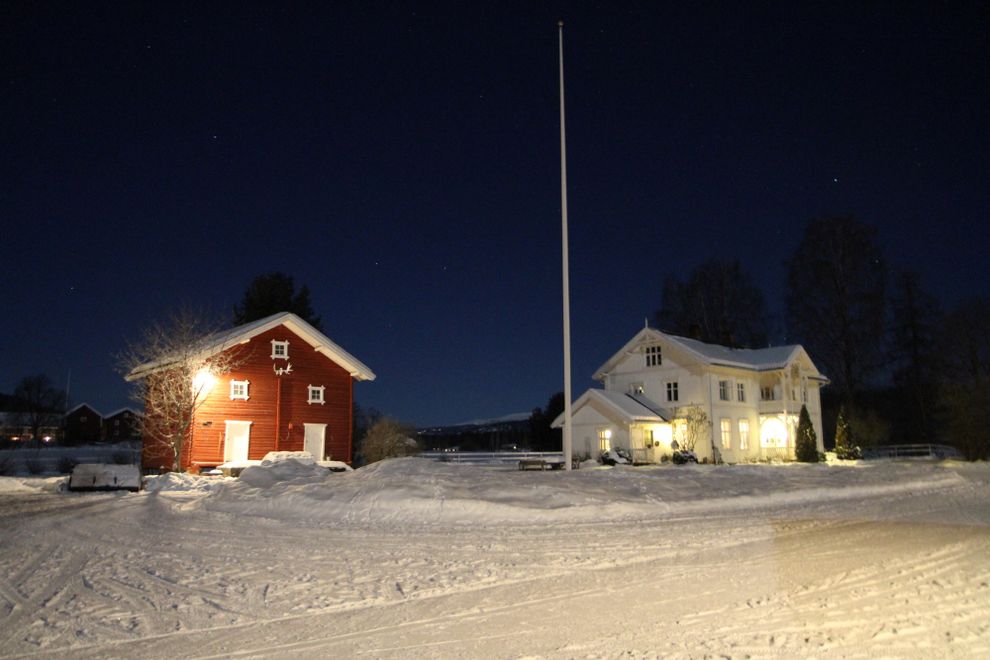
x,y
273,293
806,449
844,447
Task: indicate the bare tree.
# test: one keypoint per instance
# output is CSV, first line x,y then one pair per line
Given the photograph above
x,y
38,404
836,300
388,438
173,365
718,303
698,426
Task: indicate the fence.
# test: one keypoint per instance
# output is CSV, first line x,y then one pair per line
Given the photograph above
x,y
938,452
493,457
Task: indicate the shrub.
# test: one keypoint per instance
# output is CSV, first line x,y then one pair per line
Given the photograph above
x,y
66,464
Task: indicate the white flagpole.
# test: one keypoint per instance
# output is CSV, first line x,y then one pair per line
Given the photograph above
x,y
567,434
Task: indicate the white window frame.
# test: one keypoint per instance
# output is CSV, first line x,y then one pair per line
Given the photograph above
x,y
320,390
239,396
741,392
744,434
284,345
672,393
654,355
725,425
723,390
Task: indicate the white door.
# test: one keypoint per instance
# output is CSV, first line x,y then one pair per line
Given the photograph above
x,y
313,439
238,438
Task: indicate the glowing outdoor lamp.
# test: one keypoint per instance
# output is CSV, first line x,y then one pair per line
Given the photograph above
x,y
203,382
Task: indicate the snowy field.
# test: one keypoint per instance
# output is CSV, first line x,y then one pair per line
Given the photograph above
x,y
410,558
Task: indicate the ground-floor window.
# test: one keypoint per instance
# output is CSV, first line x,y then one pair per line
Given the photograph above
x,y
744,434
604,439
726,426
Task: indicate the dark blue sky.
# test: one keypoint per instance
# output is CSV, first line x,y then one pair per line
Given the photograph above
x,y
402,161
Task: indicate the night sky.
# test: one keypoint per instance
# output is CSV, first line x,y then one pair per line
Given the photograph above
x,y
403,162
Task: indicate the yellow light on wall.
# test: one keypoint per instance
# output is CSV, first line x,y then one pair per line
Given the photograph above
x,y
773,433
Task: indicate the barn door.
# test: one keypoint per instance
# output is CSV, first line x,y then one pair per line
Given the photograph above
x,y
238,439
314,440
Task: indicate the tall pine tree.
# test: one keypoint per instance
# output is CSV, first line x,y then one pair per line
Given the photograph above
x,y
273,293
806,448
844,447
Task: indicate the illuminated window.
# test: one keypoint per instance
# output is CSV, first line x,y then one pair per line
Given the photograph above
x,y
653,357
741,392
604,439
723,390
744,434
239,390
726,426
672,391
280,350
316,394
648,437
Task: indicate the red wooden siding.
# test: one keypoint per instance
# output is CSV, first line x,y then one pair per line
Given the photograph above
x,y
277,405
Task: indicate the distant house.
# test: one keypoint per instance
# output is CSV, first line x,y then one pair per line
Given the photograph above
x,y
83,425
751,398
122,425
292,390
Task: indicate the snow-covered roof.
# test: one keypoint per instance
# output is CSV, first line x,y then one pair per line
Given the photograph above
x,y
221,341
82,405
754,359
121,410
629,407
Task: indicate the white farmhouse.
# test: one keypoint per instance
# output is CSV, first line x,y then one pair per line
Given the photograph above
x,y
750,397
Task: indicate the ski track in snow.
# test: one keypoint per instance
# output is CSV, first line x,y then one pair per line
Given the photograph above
x,y
898,574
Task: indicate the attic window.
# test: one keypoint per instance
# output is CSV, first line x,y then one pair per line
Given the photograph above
x,y
239,390
653,357
280,350
316,394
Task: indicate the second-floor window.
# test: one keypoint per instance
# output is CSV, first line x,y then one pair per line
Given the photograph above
x,y
766,393
316,394
723,390
672,391
653,356
280,349
741,392
239,390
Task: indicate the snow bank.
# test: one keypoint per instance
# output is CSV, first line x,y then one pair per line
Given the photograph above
x,y
177,482
419,491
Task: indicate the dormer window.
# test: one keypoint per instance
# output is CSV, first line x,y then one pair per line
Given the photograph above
x,y
280,350
653,357
239,390
316,393
637,388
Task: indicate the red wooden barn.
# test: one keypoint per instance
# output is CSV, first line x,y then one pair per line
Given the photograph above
x,y
291,389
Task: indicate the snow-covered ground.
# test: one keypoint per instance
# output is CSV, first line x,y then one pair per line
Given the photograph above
x,y
411,558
